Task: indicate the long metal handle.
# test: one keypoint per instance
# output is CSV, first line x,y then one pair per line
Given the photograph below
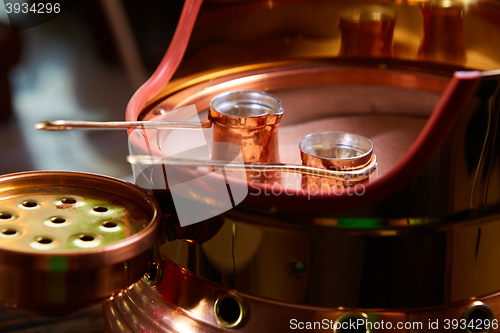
x,y
63,125
358,174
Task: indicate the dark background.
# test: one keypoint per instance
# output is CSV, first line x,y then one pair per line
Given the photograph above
x,y
72,67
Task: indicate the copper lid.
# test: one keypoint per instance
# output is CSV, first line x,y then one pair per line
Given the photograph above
x,y
69,240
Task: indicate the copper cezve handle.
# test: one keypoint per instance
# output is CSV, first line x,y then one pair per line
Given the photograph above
x,y
63,125
360,173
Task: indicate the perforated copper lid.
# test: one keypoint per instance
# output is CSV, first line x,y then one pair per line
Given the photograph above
x,y
69,240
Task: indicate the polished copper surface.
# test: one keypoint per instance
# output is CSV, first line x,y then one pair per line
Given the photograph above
x,y
349,262
314,183
200,88
69,240
183,302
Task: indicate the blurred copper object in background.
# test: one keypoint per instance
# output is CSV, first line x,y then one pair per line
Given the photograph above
x,y
443,32
367,31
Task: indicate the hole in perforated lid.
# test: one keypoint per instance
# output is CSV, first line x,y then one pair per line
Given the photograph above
x,y
86,238
29,204
68,200
57,219
44,240
109,224
9,231
5,216
100,209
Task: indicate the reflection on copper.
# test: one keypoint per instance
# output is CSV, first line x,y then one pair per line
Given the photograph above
x,y
443,32
194,233
285,75
184,302
337,151
367,31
